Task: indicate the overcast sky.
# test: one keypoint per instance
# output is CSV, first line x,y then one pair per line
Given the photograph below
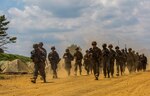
x,y
61,23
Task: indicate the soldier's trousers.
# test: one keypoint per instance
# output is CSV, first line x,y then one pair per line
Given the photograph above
x,y
124,66
87,67
68,67
140,66
112,68
91,67
78,64
119,65
106,66
130,66
54,68
136,65
96,68
144,66
39,67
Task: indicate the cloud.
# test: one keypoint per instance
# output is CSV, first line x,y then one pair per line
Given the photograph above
x,y
61,8
64,22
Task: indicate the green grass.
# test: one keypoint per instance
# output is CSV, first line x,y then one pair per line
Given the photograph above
x,y
10,57
2,77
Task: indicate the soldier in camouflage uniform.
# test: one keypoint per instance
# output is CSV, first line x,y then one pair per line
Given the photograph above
x,y
143,62
54,59
37,56
78,60
130,60
91,65
134,64
112,55
87,61
96,55
124,59
119,63
137,61
42,48
106,63
140,66
68,58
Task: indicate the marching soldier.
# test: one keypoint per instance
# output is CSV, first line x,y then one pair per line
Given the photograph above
x,y
54,59
119,63
134,64
37,56
124,59
105,58
68,58
78,60
112,55
87,61
143,62
42,48
96,55
130,60
137,61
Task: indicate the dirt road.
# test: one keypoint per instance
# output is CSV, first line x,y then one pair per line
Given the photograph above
x,y
137,84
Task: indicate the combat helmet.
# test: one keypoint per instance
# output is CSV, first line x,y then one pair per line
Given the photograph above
x,y
53,48
104,45
94,43
77,48
110,46
67,50
117,47
130,49
35,46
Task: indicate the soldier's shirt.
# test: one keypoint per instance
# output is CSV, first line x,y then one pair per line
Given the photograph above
x,y
78,56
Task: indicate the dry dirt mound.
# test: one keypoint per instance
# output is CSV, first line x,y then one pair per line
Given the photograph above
x,y
137,84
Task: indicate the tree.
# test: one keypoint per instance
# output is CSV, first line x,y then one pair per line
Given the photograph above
x,y
72,48
4,38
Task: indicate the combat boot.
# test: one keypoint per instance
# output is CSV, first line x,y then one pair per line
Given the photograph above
x,y
44,80
108,75
69,73
96,78
33,80
75,74
117,74
80,73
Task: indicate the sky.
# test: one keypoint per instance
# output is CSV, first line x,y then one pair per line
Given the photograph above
x,y
61,23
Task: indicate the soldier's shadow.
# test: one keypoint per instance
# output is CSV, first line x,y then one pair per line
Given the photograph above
x,y
48,82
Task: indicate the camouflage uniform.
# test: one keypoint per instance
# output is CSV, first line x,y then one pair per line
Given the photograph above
x,y
143,62
38,58
119,61
91,65
140,66
112,55
68,58
105,59
54,60
134,64
124,59
96,55
78,61
43,49
87,61
137,61
130,60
